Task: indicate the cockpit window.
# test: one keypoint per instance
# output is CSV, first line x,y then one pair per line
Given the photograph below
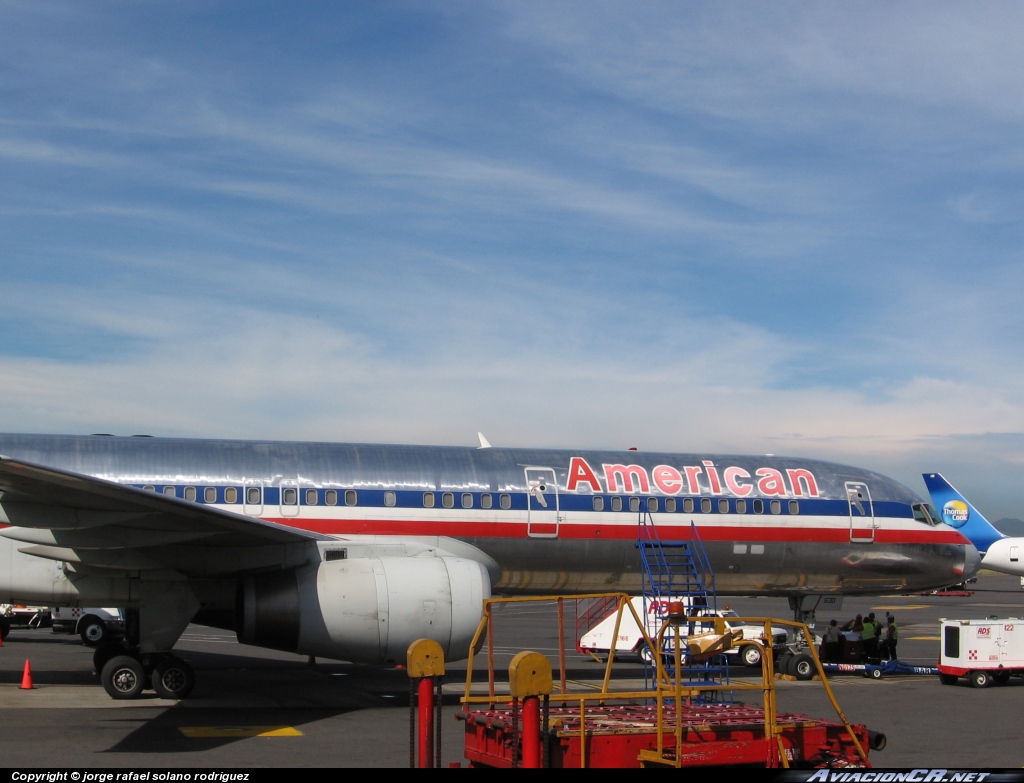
x,y
926,513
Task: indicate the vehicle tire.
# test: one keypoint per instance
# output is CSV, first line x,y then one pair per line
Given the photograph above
x,y
5,628
751,656
876,674
123,677
1001,678
172,678
802,667
93,631
782,663
104,653
980,679
948,679
643,652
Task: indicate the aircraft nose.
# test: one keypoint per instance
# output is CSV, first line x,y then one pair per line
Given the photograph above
x,y
972,561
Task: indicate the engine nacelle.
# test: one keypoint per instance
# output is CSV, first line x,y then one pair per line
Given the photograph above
x,y
367,610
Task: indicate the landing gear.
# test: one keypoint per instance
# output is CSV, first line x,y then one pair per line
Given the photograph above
x,y
123,677
103,654
172,678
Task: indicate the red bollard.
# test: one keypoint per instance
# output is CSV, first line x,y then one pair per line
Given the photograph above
x,y
425,665
529,679
425,700
531,733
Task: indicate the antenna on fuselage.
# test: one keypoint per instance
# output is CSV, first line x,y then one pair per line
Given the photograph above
x,y
484,443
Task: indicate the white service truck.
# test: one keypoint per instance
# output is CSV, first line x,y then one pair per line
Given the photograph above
x,y
984,651
96,625
598,640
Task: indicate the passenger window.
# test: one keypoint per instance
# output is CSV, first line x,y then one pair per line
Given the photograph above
x,y
652,504
311,497
252,496
448,500
634,504
486,501
705,505
758,506
741,507
670,505
169,491
331,497
794,507
776,506
598,503
616,504
505,501
428,500
230,495
467,500
390,498
289,497
688,505
210,494
150,488
723,506
190,493
350,497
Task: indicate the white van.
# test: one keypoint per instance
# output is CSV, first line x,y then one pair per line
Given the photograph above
x,y
95,625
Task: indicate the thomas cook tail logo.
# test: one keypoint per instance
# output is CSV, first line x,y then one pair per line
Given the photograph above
x,y
955,513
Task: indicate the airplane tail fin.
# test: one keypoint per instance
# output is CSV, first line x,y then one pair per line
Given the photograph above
x,y
957,512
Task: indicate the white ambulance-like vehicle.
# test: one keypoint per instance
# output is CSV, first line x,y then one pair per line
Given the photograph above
x,y
984,651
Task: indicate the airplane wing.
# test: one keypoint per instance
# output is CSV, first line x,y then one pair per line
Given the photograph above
x,y
93,523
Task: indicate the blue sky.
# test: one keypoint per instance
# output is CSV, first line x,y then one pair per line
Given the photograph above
x,y
721,227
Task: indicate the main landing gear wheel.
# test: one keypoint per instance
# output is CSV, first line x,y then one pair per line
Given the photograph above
x,y
172,678
123,677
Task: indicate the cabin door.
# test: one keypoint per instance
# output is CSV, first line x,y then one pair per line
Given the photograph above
x,y
542,511
862,513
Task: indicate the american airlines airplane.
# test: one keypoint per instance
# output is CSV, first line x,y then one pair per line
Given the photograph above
x,y
353,551
999,552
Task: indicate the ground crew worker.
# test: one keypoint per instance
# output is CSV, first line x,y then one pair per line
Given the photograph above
x,y
894,633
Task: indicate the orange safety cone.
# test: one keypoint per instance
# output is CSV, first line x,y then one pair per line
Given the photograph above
x,y
26,677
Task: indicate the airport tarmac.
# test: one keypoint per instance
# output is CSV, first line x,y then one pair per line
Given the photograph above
x,y
257,709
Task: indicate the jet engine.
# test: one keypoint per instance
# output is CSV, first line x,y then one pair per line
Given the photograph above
x,y
366,610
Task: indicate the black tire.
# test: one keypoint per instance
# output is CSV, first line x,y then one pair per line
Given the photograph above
x,y
5,628
93,632
172,678
123,677
101,655
645,654
751,656
802,667
1001,678
782,663
980,679
948,679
